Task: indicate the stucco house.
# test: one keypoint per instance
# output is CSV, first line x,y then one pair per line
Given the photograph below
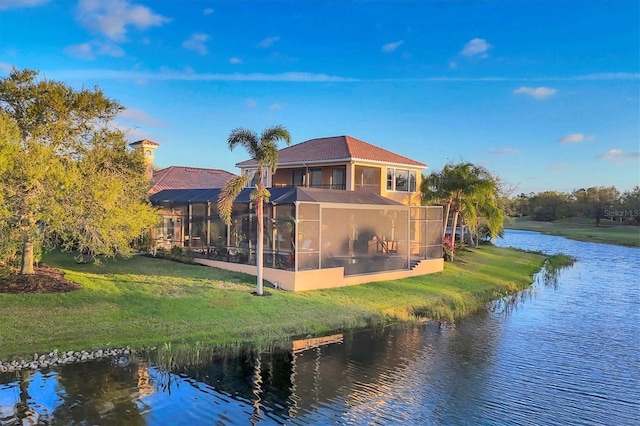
x,y
341,212
345,163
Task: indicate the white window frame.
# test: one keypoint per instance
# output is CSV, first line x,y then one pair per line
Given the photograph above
x,y
392,181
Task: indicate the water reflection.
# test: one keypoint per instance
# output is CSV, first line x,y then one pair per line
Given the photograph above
x,y
566,356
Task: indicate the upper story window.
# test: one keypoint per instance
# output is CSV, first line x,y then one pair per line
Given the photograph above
x,y
307,177
401,180
254,177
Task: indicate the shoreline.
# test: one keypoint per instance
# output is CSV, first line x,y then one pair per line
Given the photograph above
x,y
145,310
581,230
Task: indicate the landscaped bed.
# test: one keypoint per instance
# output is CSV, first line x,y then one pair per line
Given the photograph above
x,y
142,301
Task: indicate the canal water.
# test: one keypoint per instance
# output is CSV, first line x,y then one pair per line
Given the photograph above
x,y
565,352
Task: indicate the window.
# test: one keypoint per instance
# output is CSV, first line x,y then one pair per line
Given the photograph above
x,y
401,180
315,178
254,178
338,178
390,179
298,177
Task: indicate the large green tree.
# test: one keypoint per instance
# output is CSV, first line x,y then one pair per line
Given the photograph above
x,y
264,150
67,176
595,200
466,191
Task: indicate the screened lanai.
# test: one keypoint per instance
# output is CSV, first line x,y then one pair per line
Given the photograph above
x,y
305,229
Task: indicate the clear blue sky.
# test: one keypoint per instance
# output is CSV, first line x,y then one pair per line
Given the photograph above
x,y
546,94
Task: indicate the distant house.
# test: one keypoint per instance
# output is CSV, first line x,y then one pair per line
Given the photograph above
x,y
342,212
177,177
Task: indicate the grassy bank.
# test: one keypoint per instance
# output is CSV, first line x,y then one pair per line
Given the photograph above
x,y
582,229
143,301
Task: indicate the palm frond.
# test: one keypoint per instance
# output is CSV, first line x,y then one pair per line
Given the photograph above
x,y
260,193
228,194
245,137
276,133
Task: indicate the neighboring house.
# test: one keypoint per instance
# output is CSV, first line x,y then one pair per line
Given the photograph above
x,y
346,163
177,177
341,212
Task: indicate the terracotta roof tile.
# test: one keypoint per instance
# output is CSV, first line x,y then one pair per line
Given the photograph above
x,y
176,177
342,148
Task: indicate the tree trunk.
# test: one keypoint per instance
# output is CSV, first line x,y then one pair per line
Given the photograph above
x,y
259,246
446,219
27,255
453,234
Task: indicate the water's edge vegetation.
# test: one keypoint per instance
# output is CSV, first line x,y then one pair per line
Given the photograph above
x,y
144,303
581,229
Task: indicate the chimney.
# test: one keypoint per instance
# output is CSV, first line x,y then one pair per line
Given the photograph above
x,y
147,147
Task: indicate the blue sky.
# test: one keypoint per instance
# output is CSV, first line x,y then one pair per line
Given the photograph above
x,y
545,94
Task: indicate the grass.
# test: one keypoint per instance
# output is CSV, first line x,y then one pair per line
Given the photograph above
x,y
582,229
142,302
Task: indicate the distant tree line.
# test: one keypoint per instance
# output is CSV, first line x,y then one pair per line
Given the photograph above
x,y
596,203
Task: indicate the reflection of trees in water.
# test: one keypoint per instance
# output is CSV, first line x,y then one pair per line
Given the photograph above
x,y
96,392
547,277
85,393
257,377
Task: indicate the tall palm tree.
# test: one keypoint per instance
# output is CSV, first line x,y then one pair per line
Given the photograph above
x,y
465,190
263,149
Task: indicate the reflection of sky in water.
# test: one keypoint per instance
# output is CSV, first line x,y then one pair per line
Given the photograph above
x,y
42,392
9,397
196,400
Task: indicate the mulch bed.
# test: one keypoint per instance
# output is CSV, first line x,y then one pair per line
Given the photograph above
x,y
45,280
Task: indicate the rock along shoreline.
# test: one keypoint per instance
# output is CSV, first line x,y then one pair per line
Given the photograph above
x,y
56,358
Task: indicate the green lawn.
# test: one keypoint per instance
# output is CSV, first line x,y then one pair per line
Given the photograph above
x,y
143,301
582,229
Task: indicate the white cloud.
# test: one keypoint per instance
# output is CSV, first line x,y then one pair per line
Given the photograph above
x,y
612,154
169,74
90,50
17,4
275,107
251,103
197,42
506,151
618,155
81,51
235,60
111,18
208,11
136,134
535,92
476,47
140,116
391,47
572,138
268,42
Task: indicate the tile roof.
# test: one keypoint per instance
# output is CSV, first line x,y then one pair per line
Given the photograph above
x,y
144,142
336,148
176,177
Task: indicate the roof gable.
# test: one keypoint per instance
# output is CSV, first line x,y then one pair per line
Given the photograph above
x,y
176,177
337,148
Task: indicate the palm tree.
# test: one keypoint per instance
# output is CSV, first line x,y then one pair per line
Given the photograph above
x,y
263,149
465,190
